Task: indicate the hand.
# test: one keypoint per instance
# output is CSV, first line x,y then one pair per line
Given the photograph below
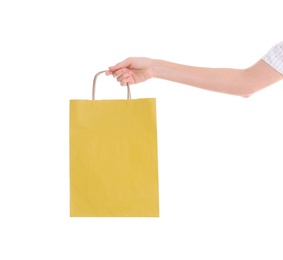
x,y
132,71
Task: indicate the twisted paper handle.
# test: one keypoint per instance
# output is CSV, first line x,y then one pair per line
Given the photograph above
x,y
94,85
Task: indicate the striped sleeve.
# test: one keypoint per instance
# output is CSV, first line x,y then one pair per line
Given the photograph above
x,y
274,57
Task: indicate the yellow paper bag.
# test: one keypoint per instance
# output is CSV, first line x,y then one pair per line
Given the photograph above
x,y
113,158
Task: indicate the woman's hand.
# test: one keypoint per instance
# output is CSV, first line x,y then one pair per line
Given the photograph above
x,y
132,70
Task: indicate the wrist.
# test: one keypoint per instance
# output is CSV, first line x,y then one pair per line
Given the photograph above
x,y
156,68
162,69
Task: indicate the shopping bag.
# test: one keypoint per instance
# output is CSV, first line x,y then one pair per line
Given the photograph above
x,y
113,157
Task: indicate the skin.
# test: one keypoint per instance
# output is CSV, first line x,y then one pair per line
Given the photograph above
x,y
240,82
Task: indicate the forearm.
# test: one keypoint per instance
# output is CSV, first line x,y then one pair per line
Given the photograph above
x,y
242,82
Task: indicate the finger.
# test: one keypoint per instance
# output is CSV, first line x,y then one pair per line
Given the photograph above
x,y
123,64
125,81
108,72
120,72
123,76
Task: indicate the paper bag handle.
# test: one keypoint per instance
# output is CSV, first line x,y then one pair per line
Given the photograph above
x,y
94,85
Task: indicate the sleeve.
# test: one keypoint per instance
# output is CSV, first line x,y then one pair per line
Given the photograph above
x,y
274,57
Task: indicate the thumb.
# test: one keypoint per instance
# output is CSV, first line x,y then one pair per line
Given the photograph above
x,y
123,64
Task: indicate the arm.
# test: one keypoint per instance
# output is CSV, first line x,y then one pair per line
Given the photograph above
x,y
242,82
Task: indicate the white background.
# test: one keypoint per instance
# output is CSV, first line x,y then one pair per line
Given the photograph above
x,y
220,156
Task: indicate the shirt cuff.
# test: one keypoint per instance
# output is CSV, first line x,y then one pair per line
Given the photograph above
x,y
274,57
